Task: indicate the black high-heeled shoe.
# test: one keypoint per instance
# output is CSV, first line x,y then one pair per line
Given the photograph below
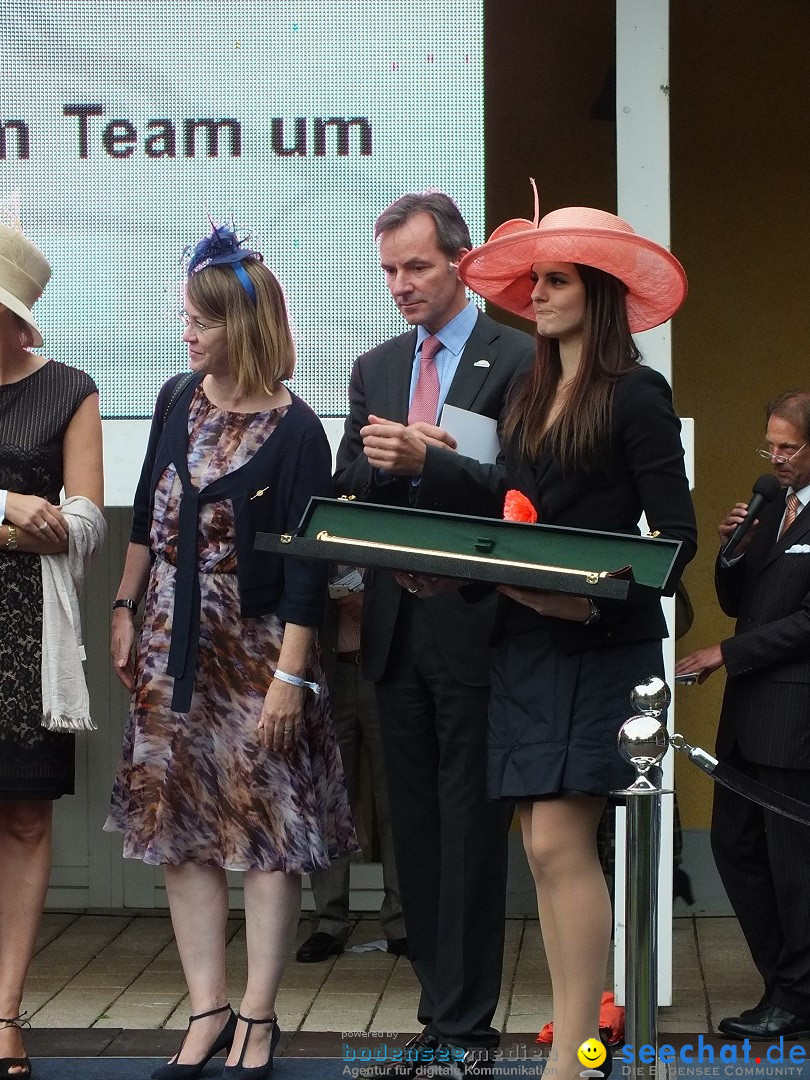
x,y
23,1064
606,1068
173,1071
254,1072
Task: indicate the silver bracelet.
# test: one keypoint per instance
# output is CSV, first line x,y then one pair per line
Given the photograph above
x,y
296,680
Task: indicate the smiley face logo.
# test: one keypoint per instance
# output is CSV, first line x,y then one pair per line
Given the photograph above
x,y
592,1053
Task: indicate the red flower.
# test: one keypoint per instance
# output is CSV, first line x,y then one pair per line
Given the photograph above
x,y
516,507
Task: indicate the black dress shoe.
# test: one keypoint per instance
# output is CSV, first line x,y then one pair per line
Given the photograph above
x,y
766,1023
318,947
416,1058
455,1063
748,1014
398,946
682,886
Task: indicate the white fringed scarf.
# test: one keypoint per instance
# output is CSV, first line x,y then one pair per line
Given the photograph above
x,y
65,700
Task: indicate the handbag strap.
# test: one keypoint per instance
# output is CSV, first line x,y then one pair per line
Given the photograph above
x,y
179,387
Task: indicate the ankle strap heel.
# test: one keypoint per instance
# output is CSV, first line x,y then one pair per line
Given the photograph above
x,y
21,1065
239,1071
174,1071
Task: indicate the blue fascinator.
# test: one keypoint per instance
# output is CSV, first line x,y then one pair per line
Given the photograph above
x,y
223,248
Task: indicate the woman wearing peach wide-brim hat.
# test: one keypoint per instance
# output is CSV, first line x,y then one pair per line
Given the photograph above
x,y
50,434
591,440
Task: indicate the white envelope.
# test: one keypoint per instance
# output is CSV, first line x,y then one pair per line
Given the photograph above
x,y
476,435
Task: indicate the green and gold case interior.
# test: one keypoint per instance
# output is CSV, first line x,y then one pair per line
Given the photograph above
x,y
609,565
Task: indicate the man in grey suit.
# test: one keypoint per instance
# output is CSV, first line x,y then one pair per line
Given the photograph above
x,y
764,732
427,653
354,712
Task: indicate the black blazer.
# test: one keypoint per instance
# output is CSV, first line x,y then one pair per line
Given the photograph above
x,y
642,471
766,706
380,384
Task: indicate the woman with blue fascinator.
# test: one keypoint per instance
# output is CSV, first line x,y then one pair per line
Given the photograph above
x,y
229,759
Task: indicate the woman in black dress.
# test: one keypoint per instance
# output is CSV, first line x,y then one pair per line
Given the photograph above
x,y
591,439
50,437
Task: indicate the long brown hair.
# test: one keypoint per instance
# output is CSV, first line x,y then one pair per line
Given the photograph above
x,y
580,433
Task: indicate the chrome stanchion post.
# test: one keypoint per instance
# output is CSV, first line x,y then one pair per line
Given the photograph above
x,y
643,741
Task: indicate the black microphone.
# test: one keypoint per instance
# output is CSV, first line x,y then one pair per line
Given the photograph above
x,y
765,490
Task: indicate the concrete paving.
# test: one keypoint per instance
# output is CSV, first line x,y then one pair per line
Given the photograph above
x,y
121,971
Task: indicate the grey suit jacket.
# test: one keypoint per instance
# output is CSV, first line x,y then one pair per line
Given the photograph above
x,y
380,385
766,706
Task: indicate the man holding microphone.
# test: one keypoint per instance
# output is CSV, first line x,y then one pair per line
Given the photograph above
x,y
764,731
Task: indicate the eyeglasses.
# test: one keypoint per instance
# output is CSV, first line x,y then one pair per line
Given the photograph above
x,y
778,459
196,325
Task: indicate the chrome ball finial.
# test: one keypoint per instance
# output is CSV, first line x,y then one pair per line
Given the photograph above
x,y
643,741
651,697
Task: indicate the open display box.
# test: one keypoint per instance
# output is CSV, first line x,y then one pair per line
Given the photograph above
x,y
614,566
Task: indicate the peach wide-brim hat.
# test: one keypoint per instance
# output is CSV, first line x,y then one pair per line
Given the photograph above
x,y
24,273
500,269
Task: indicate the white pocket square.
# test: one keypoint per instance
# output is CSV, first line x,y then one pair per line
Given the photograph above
x,y
798,549
482,363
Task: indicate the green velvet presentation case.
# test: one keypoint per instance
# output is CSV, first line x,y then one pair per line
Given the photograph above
x,y
609,565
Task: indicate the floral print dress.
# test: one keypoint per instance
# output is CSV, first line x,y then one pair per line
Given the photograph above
x,y
198,786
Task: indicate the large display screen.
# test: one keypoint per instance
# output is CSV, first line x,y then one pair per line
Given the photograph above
x,y
124,126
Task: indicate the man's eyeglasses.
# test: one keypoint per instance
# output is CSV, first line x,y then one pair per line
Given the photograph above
x,y
778,459
195,324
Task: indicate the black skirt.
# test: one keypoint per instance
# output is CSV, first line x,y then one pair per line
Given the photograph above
x,y
554,716
34,763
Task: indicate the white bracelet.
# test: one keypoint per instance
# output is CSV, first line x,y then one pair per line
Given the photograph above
x,y
295,680
3,497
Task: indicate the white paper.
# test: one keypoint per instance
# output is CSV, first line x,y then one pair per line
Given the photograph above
x,y
476,435
344,585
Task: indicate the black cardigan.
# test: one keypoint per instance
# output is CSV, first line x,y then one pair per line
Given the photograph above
x,y
269,494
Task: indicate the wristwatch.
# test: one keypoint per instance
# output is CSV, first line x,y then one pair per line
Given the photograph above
x,y
130,605
594,615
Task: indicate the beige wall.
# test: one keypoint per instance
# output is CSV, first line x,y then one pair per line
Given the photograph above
x,y
739,93
740,168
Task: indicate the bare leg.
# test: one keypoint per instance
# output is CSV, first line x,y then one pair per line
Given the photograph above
x,y
198,899
25,866
548,927
563,850
272,908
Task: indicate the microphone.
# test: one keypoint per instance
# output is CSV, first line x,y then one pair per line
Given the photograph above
x,y
765,490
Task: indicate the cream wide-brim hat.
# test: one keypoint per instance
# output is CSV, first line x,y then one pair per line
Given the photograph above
x,y
500,269
24,273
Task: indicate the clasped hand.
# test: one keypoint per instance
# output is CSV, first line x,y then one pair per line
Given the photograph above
x,y
36,516
400,448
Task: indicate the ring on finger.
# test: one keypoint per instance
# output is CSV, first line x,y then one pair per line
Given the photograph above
x,y
287,730
44,525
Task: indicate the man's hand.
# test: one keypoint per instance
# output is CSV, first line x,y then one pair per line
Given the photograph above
x,y
400,448
425,585
704,660
735,517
